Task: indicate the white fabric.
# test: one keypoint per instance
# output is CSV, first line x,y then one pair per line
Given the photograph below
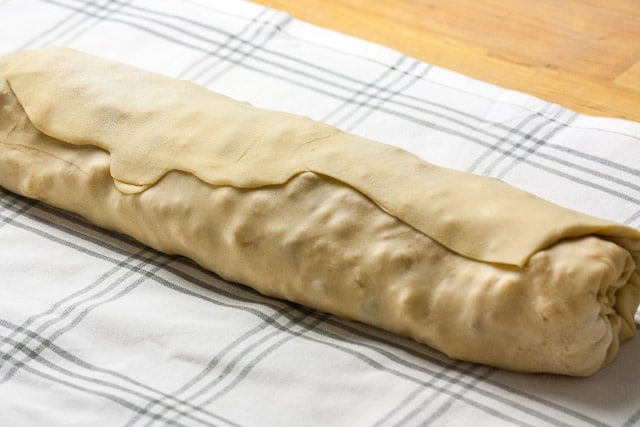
x,y
98,330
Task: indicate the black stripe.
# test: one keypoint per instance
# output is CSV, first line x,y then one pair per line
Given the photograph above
x,y
344,326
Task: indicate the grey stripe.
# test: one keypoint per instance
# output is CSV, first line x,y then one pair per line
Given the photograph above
x,y
512,131
403,404
315,67
31,319
633,420
59,351
413,395
515,146
290,334
632,218
244,292
357,330
246,53
301,73
235,43
319,67
129,271
384,98
51,29
537,145
128,266
113,397
365,86
525,159
442,409
266,352
365,332
366,111
74,322
213,363
98,19
16,213
36,355
431,398
399,374
90,7
343,349
230,38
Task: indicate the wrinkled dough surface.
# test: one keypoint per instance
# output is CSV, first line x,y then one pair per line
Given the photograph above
x,y
320,244
152,124
316,241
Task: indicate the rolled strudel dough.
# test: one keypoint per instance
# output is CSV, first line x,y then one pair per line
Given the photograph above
x,y
302,211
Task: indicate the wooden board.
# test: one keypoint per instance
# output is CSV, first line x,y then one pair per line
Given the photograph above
x,y
583,54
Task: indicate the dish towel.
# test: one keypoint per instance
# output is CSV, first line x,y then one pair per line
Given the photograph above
x,y
96,329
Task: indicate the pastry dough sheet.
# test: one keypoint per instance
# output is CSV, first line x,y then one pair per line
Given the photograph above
x,y
334,234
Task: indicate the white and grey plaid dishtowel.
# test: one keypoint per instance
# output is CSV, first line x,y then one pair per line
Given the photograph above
x,y
96,329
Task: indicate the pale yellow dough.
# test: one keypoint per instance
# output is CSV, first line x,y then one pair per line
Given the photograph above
x,y
300,210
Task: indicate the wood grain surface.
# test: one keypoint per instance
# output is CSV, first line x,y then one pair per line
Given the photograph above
x,y
583,54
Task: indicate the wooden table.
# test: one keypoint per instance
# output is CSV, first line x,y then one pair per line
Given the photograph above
x,y
583,54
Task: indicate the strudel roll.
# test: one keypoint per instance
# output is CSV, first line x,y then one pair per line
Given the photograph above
x,y
302,211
